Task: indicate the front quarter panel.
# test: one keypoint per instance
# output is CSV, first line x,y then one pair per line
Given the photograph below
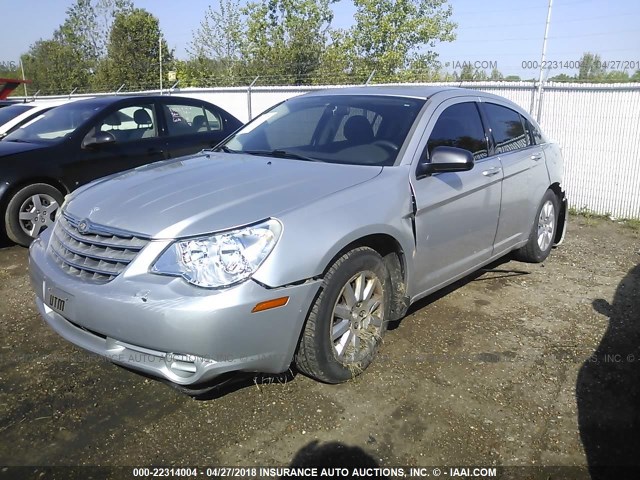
x,y
555,164
314,234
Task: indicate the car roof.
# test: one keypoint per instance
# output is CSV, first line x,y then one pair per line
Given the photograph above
x,y
423,92
413,91
102,101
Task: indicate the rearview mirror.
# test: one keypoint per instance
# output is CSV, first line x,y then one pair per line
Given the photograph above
x,y
99,139
446,159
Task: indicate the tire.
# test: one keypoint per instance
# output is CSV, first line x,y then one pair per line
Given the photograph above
x,y
30,211
543,231
343,331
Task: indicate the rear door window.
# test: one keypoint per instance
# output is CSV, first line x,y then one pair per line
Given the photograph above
x,y
506,127
183,119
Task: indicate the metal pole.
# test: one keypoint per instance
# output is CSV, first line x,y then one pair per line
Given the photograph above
x,y
370,77
121,87
533,98
160,59
249,96
72,92
544,51
23,79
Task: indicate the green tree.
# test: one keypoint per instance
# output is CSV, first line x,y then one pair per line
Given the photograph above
x,y
563,77
512,78
216,47
391,36
617,76
133,55
635,77
496,75
53,69
86,31
467,72
591,68
470,74
285,39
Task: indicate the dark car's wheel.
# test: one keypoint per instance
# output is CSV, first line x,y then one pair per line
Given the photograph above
x,y
31,210
348,318
543,231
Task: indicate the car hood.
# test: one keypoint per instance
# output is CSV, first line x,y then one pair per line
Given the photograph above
x,y
11,148
209,192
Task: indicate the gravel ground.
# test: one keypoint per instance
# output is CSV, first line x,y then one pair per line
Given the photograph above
x,y
518,365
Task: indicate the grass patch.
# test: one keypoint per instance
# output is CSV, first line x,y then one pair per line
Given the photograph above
x,y
592,218
633,224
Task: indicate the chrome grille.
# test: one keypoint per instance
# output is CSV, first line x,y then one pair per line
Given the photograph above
x,y
99,256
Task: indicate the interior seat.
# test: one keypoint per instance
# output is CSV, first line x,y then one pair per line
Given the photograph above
x,y
358,130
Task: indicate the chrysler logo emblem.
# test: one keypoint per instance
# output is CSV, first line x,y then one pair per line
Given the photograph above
x,y
83,227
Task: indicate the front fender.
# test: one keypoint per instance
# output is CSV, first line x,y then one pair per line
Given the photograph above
x,y
314,234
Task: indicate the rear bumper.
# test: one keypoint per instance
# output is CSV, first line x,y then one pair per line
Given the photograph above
x,y
168,328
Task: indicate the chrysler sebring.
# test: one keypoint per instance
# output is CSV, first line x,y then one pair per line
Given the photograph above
x,y
301,236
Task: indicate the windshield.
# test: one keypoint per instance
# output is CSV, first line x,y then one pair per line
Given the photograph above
x,y
349,129
55,124
11,112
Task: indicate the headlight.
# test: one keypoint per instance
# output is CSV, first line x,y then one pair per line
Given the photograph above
x,y
221,259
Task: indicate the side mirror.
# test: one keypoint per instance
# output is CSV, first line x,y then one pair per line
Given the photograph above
x,y
446,159
99,139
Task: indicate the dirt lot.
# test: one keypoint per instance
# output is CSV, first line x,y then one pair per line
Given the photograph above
x,y
518,365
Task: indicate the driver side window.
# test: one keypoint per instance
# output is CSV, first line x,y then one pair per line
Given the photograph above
x,y
460,126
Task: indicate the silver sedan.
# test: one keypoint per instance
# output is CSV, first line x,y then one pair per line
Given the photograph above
x,y
300,236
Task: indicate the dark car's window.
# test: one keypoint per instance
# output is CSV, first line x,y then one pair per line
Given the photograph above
x,y
460,126
130,123
189,119
507,129
55,124
350,129
12,112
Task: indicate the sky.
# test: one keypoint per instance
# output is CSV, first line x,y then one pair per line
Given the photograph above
x,y
503,33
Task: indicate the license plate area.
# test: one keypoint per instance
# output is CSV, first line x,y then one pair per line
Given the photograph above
x,y
58,300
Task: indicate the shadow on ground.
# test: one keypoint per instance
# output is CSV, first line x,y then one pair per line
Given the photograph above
x,y
491,271
336,455
608,388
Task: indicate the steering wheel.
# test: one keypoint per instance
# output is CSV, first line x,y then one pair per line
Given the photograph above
x,y
387,144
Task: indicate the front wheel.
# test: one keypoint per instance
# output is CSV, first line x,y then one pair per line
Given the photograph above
x,y
30,211
348,319
543,232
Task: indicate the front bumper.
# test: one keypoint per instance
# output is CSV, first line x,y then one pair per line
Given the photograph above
x,y
167,328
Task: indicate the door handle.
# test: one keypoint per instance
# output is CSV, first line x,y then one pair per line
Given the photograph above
x,y
492,171
536,156
154,151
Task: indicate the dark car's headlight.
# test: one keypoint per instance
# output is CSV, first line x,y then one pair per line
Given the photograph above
x,y
220,259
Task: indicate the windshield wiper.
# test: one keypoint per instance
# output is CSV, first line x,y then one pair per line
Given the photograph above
x,y
225,149
280,154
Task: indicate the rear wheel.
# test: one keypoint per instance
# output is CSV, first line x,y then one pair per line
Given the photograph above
x,y
30,211
543,232
348,319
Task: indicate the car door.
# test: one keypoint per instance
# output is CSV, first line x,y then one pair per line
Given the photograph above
x,y
192,126
524,173
136,141
456,213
